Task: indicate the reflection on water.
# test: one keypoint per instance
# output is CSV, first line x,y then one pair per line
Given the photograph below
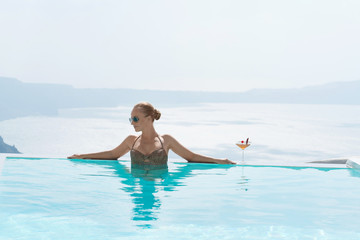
x,y
148,181
244,181
143,193
144,183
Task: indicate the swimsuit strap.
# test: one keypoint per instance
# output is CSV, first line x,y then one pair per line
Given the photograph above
x,y
135,142
162,145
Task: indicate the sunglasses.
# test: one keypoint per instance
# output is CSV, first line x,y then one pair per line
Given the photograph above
x,y
134,119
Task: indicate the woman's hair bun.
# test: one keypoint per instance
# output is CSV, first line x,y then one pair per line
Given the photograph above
x,y
156,114
148,110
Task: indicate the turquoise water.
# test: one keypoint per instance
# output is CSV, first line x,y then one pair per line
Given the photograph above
x,y
86,199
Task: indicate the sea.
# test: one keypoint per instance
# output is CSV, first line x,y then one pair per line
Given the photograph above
x,y
279,133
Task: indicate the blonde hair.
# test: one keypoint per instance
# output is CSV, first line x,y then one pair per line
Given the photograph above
x,y
148,110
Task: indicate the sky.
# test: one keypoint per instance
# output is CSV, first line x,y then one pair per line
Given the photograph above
x,y
206,45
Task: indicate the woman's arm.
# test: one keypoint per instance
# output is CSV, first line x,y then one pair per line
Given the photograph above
x,y
190,156
113,154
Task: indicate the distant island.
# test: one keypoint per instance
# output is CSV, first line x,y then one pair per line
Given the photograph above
x,y
18,99
5,148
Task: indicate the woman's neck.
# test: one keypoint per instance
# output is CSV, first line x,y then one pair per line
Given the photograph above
x,y
149,133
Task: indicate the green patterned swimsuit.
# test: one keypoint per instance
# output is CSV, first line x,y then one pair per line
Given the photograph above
x,y
156,159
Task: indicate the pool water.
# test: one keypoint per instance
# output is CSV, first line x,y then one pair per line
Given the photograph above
x,y
87,199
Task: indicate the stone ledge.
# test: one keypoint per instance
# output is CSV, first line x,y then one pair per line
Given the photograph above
x,y
353,162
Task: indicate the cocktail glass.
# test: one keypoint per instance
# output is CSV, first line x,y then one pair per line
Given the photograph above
x,y
243,145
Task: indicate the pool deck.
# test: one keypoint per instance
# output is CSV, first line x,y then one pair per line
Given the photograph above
x,y
346,162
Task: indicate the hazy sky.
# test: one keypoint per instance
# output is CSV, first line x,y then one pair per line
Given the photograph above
x,y
181,44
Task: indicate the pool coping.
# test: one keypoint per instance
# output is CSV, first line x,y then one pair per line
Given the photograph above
x,y
347,162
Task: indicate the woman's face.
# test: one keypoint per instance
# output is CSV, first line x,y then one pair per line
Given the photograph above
x,y
143,122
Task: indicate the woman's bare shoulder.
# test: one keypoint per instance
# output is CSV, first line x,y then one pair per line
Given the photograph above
x,y
167,137
130,139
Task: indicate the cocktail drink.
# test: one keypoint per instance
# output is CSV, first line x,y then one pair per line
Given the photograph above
x,y
243,145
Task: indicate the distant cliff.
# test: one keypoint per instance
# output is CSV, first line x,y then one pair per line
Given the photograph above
x,y
18,99
5,148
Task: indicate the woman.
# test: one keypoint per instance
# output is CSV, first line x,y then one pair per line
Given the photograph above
x,y
149,148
